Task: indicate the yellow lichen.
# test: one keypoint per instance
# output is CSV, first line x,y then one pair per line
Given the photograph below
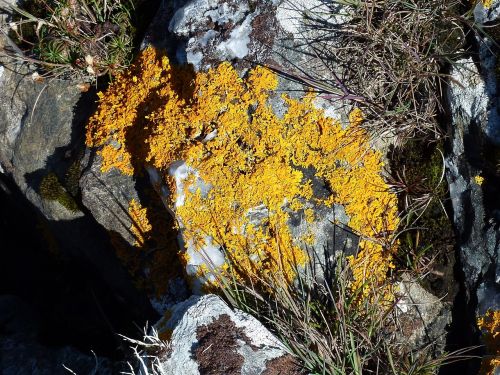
x,y
153,235
490,325
487,3
140,223
255,159
479,180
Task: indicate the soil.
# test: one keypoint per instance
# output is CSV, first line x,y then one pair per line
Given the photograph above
x,y
217,347
285,365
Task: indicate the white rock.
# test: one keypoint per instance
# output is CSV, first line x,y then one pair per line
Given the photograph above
x,y
197,13
423,312
468,95
188,316
237,45
194,58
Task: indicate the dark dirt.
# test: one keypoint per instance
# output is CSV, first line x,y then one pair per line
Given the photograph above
x,y
217,347
285,365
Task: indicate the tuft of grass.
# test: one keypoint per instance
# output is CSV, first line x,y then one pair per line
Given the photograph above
x,y
329,327
85,39
387,56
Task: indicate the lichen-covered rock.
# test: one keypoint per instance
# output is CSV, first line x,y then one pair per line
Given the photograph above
x,y
134,229
238,176
208,337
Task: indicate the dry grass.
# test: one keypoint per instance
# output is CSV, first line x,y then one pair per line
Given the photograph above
x,y
147,353
387,56
329,327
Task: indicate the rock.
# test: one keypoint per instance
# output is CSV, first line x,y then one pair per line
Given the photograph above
x,y
40,129
210,338
473,183
214,31
22,354
422,317
271,33
42,125
488,63
108,196
36,135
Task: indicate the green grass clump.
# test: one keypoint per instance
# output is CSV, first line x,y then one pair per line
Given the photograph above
x,y
52,190
82,38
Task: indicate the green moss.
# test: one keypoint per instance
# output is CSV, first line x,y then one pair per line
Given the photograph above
x,y
52,190
421,164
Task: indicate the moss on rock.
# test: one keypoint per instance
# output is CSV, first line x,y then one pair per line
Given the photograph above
x,y
51,189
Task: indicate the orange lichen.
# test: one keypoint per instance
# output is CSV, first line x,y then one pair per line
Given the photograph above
x,y
140,224
123,109
487,3
256,159
490,325
162,327
153,260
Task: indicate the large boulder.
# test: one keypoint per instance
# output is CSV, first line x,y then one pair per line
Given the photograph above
x,y
42,126
245,33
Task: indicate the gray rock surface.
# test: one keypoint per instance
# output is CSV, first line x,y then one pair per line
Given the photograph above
x,y
42,127
36,134
251,348
421,316
473,182
107,196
